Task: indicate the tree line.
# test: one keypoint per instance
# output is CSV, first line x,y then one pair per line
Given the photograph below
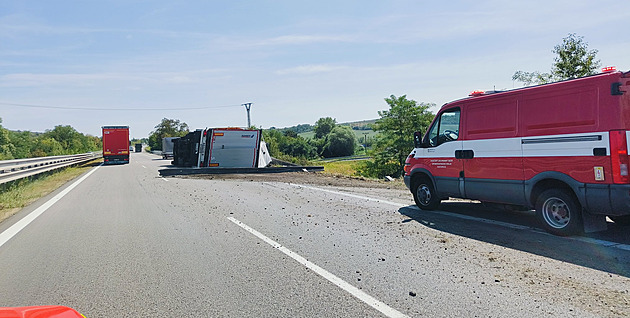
x,y
61,140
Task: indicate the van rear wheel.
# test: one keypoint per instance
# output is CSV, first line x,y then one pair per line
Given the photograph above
x,y
424,194
559,212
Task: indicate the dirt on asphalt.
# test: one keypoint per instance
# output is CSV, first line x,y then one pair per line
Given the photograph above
x,y
310,178
597,292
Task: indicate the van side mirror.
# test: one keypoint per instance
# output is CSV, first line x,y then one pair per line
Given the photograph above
x,y
417,139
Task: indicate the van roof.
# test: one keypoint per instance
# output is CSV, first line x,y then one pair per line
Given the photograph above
x,y
483,94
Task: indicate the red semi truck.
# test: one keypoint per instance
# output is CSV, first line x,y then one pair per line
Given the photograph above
x,y
561,148
115,144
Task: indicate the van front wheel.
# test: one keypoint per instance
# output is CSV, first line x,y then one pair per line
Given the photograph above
x,y
424,194
559,212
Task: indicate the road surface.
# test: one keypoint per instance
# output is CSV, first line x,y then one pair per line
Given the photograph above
x,y
125,242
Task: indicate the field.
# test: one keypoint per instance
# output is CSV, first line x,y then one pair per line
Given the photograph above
x,y
360,134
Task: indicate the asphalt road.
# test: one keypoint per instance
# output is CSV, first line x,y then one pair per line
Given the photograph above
x,y
126,242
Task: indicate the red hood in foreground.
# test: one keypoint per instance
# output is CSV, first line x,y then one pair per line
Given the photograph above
x,y
39,312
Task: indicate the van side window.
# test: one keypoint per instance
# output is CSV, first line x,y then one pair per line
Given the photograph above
x,y
445,129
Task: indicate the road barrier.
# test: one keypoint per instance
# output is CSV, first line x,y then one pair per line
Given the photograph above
x,y
11,170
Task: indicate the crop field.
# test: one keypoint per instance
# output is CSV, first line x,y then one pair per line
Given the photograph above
x,y
360,134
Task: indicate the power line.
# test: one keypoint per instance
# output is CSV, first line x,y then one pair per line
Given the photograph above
x,y
116,109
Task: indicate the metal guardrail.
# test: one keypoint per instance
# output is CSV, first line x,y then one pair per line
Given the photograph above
x,y
11,170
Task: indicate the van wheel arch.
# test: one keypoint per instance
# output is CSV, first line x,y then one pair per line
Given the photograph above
x,y
546,184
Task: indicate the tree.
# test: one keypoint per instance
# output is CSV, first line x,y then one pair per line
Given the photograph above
x,y
288,146
7,149
396,126
67,137
166,128
324,126
573,60
340,142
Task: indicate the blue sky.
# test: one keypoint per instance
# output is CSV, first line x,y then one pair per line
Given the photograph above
x,y
135,62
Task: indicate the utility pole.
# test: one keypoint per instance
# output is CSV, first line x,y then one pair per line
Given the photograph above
x,y
248,106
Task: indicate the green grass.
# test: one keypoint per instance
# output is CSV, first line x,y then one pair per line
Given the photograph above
x,y
23,192
346,168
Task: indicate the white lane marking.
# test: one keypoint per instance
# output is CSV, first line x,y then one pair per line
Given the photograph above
x,y
361,295
21,224
144,166
164,179
352,195
466,217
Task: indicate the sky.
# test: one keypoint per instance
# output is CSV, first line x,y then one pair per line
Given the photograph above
x,y
89,64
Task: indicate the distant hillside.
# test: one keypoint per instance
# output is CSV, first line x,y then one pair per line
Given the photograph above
x,y
361,125
355,125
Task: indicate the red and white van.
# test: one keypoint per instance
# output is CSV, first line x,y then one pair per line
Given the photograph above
x,y
561,148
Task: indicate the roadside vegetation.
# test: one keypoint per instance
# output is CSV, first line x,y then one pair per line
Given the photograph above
x,y
61,140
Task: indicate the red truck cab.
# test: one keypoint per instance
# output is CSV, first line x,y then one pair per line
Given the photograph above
x,y
561,148
115,144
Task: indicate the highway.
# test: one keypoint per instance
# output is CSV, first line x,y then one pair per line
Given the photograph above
x,y
125,242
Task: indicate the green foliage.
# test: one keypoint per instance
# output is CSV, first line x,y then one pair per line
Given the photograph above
x,y
324,126
340,142
286,145
62,140
166,128
6,147
396,127
574,60
529,78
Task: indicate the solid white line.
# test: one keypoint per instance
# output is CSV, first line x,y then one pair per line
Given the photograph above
x,y
466,217
398,205
371,301
21,224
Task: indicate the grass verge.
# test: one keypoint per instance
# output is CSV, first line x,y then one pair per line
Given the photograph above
x,y
346,168
23,192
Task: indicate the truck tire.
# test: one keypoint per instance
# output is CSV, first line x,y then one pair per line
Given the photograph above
x,y
424,194
559,212
621,220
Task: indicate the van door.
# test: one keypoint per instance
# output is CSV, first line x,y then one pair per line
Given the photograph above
x,y
493,169
441,151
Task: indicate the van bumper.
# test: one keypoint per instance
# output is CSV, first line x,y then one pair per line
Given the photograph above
x,y
407,180
608,199
620,199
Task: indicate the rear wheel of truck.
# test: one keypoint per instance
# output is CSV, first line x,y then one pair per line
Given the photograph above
x,y
424,194
559,212
621,220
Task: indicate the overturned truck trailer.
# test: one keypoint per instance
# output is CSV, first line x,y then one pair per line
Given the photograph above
x,y
221,148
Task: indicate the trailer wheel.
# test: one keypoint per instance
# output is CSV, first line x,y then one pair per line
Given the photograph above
x,y
559,212
621,220
424,194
